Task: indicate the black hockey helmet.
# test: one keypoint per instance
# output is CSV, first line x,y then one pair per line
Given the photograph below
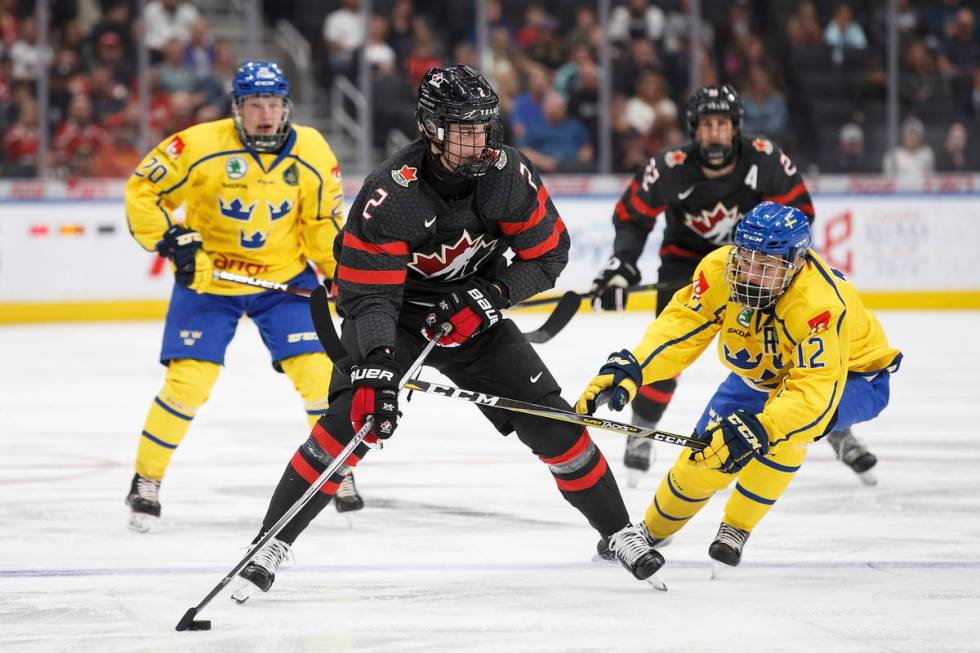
x,y
723,100
460,95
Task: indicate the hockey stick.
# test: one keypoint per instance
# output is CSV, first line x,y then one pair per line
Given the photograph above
x,y
559,318
492,401
541,301
188,622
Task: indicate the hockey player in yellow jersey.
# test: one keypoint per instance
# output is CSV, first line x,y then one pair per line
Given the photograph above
x,y
806,358
261,197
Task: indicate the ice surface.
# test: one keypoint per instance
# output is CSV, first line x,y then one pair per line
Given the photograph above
x,y
465,544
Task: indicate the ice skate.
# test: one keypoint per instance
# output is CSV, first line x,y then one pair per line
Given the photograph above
x,y
348,499
604,554
726,550
855,455
260,572
634,551
144,503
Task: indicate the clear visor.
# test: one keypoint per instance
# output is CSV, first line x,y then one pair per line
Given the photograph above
x,y
757,280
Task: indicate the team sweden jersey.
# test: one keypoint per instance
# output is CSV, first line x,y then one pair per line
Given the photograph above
x,y
800,351
261,214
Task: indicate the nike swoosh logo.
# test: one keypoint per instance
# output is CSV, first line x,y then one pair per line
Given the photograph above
x,y
534,379
683,196
428,223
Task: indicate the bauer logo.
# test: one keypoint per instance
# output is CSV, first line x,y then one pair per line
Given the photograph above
x,y
308,336
236,167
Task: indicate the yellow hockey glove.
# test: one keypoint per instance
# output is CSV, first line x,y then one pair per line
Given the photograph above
x,y
618,380
192,265
733,443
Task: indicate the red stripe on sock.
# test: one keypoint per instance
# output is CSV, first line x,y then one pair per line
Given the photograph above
x,y
571,453
332,446
656,395
308,474
585,482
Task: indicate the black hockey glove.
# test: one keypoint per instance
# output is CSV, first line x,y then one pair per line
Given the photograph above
x,y
733,443
375,383
610,287
468,311
192,265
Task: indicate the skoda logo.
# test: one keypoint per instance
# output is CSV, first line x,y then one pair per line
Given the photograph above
x,y
236,167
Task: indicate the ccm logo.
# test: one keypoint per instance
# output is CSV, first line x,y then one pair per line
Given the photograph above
x,y
492,314
371,373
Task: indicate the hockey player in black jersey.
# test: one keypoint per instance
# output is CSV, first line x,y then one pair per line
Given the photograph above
x,y
703,189
423,246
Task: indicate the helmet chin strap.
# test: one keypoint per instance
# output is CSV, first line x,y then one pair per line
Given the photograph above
x,y
725,152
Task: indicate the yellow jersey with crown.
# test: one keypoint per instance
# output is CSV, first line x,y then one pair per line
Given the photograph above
x,y
258,214
799,351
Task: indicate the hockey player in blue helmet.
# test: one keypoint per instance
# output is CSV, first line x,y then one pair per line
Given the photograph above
x,y
806,358
260,105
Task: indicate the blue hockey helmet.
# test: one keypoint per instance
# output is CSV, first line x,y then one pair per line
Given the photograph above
x,y
770,246
261,79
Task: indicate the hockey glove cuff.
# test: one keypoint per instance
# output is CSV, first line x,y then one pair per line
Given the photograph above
x,y
733,443
618,380
192,265
610,289
469,311
375,384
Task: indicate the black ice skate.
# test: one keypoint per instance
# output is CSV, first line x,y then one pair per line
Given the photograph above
x,y
727,547
855,455
602,546
260,573
144,502
639,453
347,498
634,551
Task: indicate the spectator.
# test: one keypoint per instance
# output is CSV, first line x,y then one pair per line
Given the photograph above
x,y
465,53
636,20
174,76
77,139
423,55
165,20
376,49
678,27
498,60
583,99
19,145
216,87
115,20
108,96
960,52
913,156
400,31
394,102
528,112
852,158
956,156
730,39
199,50
579,56
561,144
765,107
650,108
843,32
109,52
119,157
920,82
642,58
586,31
537,25
28,59
803,26
343,32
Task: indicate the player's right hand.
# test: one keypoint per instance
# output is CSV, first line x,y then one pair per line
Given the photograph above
x,y
732,443
610,288
618,379
375,384
192,265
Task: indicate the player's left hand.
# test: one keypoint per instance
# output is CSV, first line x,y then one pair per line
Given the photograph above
x,y
733,443
469,311
192,265
619,378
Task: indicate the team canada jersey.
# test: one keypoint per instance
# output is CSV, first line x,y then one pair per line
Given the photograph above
x,y
701,213
403,242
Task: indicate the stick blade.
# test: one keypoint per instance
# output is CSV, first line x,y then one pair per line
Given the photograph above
x,y
564,311
187,622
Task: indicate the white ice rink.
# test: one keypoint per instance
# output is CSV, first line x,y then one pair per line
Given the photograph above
x,y
465,543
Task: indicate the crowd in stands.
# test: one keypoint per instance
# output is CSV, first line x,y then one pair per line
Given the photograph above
x,y
811,74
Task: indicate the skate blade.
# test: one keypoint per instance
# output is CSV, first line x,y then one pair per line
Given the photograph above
x,y
868,478
598,558
244,591
657,583
717,568
633,477
140,522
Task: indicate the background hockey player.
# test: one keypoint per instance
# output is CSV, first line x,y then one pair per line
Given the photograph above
x,y
423,247
702,189
806,358
262,197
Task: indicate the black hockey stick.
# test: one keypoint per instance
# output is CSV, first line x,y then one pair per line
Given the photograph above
x,y
188,622
560,316
492,401
541,301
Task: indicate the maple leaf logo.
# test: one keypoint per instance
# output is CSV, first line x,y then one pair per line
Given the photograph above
x,y
675,158
714,225
454,261
763,145
405,175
